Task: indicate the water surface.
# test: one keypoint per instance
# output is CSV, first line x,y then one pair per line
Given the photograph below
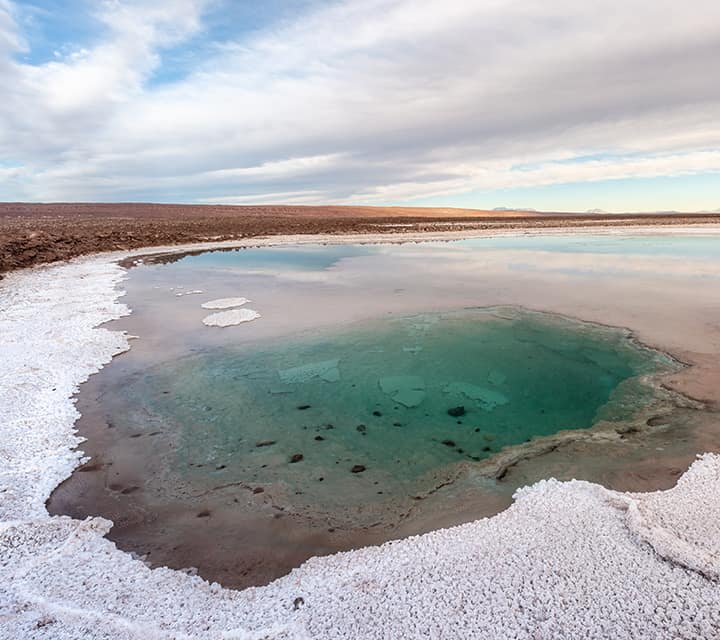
x,y
387,390
383,409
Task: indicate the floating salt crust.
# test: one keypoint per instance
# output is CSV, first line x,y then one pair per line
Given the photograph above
x,y
224,303
230,318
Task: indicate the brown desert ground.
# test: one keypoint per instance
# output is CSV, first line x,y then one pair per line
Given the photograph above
x,y
32,234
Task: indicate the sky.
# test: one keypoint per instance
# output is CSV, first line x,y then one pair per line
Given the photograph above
x,y
555,105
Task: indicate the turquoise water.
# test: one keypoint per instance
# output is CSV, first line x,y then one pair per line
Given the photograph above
x,y
386,408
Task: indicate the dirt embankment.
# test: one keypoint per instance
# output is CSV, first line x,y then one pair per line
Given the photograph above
x,y
32,234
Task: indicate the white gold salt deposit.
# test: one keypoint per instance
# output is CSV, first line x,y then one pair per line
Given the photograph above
x,y
225,303
230,318
567,560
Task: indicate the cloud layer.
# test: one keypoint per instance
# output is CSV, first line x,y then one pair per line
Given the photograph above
x,y
361,101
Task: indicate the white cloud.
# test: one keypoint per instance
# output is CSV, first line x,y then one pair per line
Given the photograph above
x,y
279,197
369,100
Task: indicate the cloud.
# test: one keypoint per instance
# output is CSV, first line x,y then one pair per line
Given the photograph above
x,y
50,108
367,101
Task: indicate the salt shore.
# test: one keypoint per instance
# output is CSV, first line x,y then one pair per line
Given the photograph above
x,y
566,560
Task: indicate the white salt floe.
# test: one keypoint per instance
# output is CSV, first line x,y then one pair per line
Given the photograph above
x,y
230,318
225,303
567,560
189,293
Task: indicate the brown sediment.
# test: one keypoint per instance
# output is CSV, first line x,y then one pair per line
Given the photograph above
x,y
32,234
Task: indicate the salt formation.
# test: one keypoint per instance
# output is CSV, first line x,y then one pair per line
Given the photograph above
x,y
567,560
487,398
225,303
408,391
230,318
327,370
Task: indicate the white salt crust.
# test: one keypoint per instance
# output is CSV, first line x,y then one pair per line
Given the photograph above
x,y
224,303
230,318
567,560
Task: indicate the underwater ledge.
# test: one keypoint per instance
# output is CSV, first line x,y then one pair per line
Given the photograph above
x,y
64,575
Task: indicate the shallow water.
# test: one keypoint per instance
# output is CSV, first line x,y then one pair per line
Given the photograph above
x,y
380,410
359,356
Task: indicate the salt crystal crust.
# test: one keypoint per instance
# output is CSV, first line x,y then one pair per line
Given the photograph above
x,y
567,560
225,303
230,318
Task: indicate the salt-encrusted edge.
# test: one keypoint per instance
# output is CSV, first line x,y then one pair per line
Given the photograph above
x,y
50,343
61,578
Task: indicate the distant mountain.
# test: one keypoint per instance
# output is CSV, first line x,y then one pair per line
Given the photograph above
x,y
514,209
596,211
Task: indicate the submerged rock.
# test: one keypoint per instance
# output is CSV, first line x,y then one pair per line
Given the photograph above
x,y
296,457
358,468
456,412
